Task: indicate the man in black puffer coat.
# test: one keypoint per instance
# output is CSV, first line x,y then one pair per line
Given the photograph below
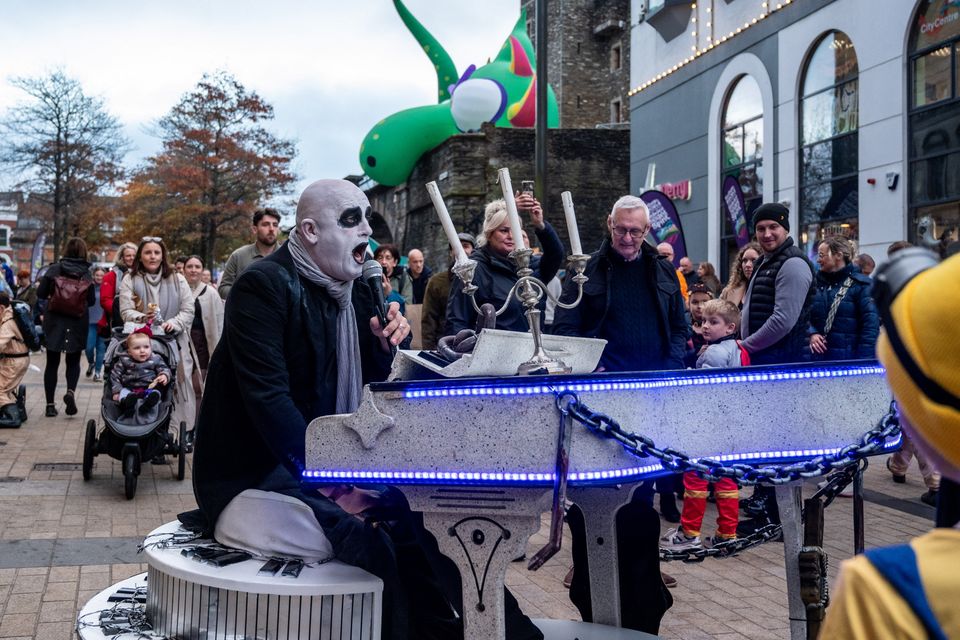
x,y
854,326
775,319
776,308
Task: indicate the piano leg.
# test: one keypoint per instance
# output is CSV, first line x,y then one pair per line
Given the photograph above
x,y
788,501
599,506
481,529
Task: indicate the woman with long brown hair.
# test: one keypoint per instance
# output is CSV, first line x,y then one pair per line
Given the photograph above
x,y
740,272
708,276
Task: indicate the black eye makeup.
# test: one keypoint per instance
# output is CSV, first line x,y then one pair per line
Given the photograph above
x,y
351,217
354,216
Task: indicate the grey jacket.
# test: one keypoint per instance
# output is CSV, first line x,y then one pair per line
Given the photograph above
x,y
130,374
720,355
237,263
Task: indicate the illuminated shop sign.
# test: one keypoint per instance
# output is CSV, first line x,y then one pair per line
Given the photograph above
x,y
682,190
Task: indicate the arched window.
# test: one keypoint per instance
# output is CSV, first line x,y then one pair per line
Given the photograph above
x,y
829,119
934,120
741,157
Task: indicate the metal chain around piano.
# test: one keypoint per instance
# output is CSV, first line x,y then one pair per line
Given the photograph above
x,y
836,483
845,463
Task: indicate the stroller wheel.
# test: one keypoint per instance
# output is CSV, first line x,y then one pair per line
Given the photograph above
x,y
89,448
182,452
130,474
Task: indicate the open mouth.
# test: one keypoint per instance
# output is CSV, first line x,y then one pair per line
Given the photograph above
x,y
360,253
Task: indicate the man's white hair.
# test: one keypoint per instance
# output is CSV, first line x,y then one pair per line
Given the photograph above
x,y
629,202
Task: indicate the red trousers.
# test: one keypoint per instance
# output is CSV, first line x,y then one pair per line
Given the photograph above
x,y
695,503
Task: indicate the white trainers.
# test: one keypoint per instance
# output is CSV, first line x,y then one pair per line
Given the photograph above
x,y
676,540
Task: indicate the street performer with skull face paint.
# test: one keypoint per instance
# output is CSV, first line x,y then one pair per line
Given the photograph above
x,y
300,338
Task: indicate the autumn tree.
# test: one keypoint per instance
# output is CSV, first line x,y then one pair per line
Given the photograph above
x,y
67,148
217,165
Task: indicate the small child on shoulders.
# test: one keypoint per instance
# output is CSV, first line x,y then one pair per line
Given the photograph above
x,y
721,321
137,373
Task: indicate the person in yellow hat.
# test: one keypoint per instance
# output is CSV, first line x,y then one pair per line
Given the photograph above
x,y
912,590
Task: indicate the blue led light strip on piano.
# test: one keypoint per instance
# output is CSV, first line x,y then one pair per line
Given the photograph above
x,y
541,385
512,387
534,479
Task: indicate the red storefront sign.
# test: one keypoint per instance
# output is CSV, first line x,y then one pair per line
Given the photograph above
x,y
682,190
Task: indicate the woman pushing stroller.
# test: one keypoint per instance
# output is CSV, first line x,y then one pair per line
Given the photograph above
x,y
152,293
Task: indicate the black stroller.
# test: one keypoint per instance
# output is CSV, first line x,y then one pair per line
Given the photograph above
x,y
131,439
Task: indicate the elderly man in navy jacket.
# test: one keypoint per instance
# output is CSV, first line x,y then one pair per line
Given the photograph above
x,y
632,300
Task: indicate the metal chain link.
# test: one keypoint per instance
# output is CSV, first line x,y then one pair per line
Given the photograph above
x,y
725,549
843,465
836,483
870,443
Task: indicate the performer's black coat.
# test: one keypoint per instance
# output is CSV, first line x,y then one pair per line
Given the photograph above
x,y
273,371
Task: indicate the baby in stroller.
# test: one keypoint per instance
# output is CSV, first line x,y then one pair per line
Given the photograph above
x,y
136,375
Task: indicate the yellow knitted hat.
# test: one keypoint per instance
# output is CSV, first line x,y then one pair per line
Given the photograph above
x,y
926,314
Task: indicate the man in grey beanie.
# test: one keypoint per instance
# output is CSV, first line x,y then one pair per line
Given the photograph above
x,y
776,307
775,317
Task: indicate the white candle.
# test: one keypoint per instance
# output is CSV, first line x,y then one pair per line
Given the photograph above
x,y
571,217
446,222
512,215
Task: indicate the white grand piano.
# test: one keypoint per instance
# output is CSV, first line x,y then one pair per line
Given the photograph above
x,y
477,455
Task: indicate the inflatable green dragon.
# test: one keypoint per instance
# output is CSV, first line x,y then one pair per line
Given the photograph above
x,y
502,91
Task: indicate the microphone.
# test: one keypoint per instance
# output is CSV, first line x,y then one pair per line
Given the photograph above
x,y
373,276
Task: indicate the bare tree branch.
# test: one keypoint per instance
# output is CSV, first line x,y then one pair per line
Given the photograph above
x,y
64,144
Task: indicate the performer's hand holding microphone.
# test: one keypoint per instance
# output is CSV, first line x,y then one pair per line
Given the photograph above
x,y
391,325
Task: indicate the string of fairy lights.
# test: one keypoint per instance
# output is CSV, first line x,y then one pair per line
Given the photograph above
x,y
712,40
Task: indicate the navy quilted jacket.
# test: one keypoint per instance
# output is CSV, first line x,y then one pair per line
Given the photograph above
x,y
856,325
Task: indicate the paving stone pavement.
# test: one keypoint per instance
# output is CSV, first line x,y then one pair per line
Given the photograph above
x,y
62,540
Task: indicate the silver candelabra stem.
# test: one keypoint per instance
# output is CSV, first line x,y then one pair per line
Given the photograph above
x,y
529,291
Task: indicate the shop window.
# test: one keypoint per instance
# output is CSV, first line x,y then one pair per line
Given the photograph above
x,y
932,77
741,158
934,121
829,158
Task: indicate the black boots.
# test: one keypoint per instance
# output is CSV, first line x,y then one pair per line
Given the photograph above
x,y
10,416
70,403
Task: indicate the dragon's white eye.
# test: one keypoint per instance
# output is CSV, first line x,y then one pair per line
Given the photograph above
x,y
475,101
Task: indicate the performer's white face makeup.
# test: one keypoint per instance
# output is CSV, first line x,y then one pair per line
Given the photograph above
x,y
333,218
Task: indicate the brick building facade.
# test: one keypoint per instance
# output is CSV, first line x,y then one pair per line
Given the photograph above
x,y
588,59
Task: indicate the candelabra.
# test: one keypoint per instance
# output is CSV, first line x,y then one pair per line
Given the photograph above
x,y
529,291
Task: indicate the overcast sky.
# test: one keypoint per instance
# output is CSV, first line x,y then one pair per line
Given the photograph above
x,y
330,68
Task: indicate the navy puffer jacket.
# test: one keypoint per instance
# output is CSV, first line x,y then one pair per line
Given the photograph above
x,y
853,335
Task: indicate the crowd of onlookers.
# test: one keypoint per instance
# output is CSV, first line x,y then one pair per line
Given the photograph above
x,y
777,306
80,306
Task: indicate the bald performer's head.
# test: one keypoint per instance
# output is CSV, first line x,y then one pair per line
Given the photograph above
x,y
333,224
